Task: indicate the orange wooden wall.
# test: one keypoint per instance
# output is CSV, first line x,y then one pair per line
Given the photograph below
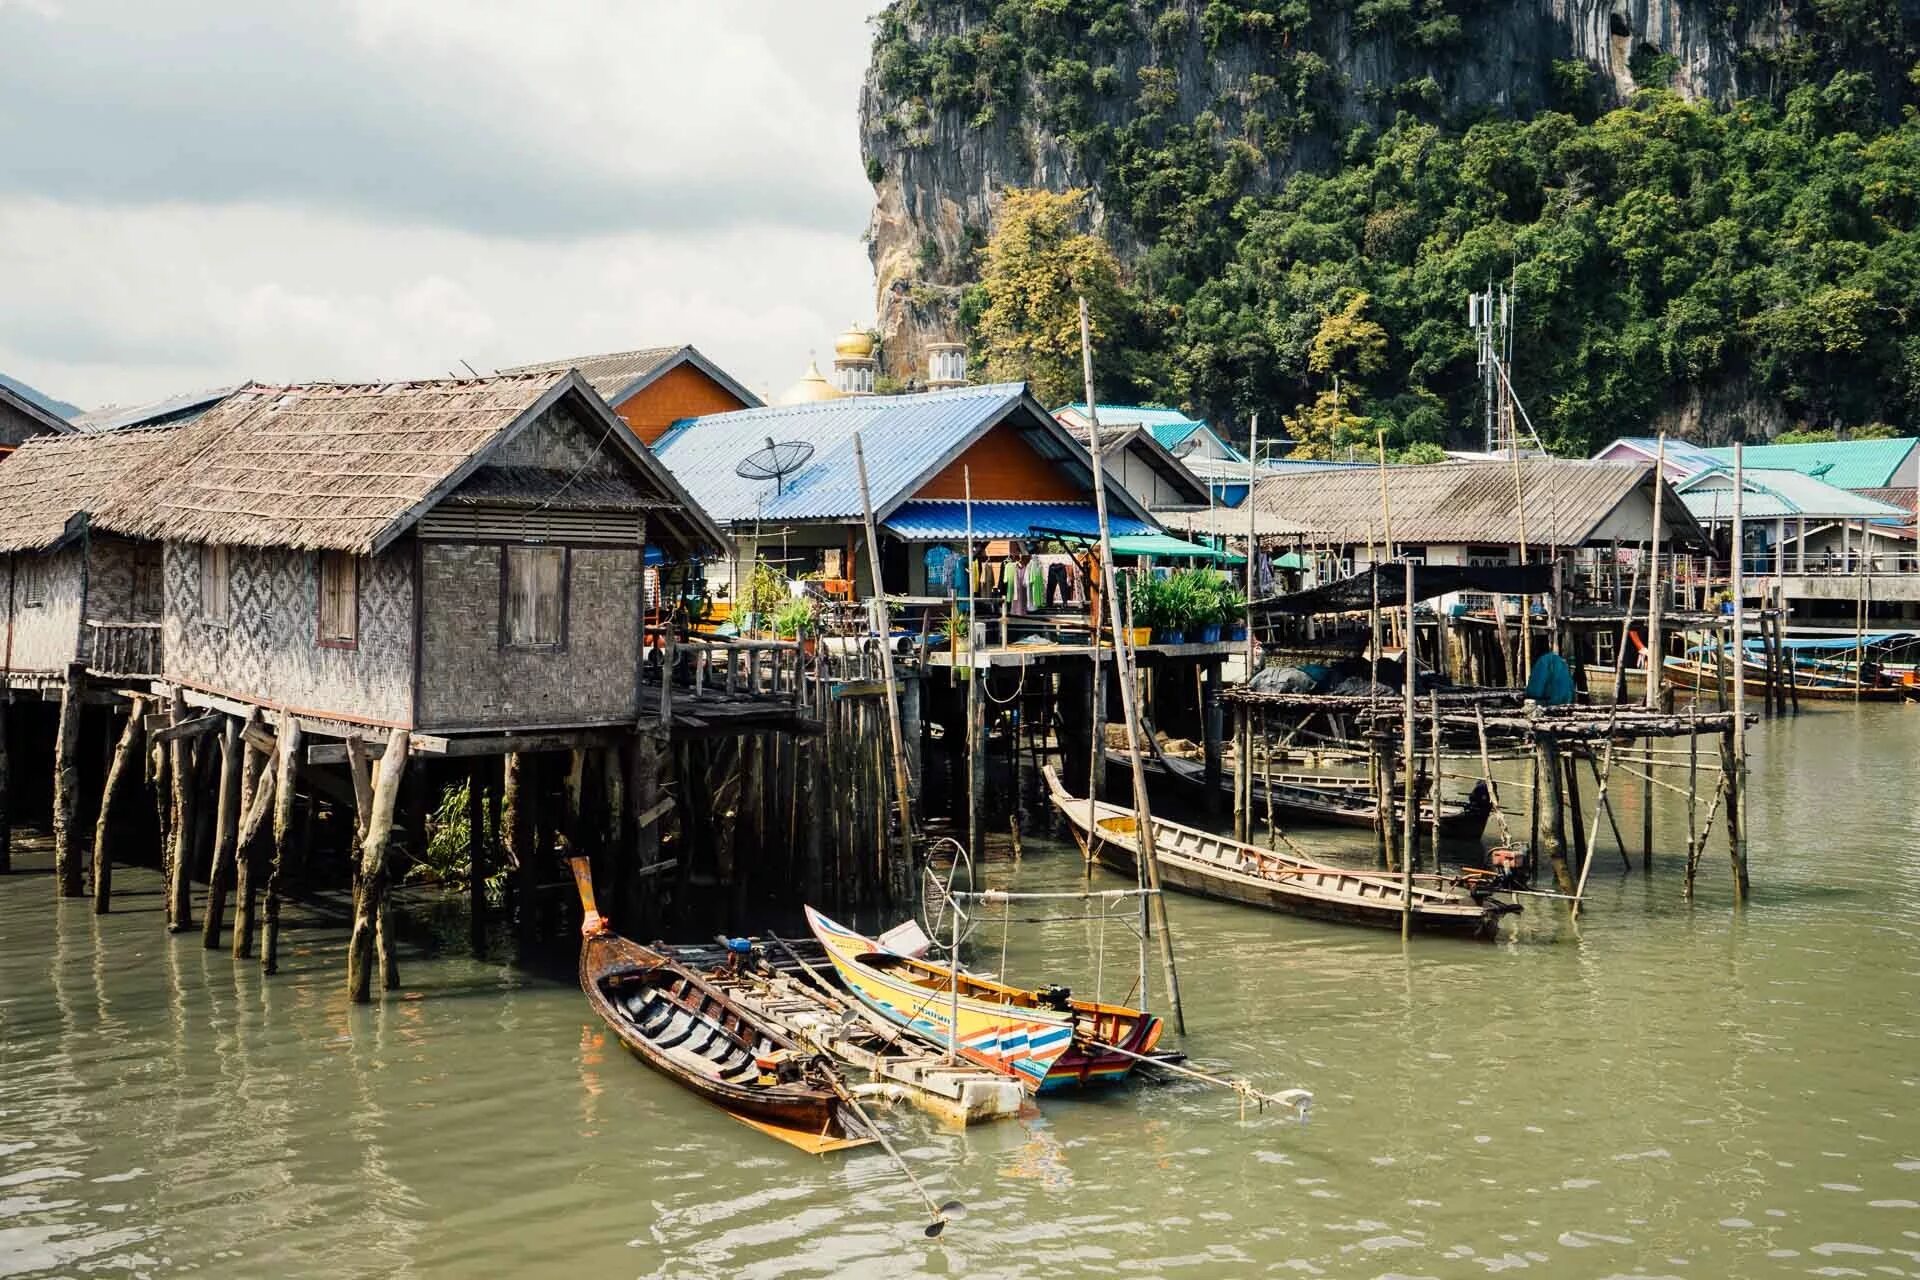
x,y
681,392
1004,466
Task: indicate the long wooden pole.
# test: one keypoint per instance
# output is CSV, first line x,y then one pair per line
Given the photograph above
x,y
1656,651
1123,653
901,784
1411,818
1736,790
1253,479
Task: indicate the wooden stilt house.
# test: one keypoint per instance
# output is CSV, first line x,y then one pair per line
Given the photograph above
x,y
452,557
70,593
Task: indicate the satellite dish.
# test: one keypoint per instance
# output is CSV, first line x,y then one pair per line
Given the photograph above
x,y
775,462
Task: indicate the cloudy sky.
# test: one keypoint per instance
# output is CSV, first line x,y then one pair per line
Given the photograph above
x,y
201,191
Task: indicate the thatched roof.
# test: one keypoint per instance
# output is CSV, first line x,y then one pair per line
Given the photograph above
x,y
1566,502
50,485
327,466
619,375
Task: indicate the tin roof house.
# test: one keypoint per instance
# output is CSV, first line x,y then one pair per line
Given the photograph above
x,y
453,557
22,418
655,387
992,453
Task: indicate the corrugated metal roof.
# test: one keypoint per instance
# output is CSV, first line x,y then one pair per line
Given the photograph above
x,y
27,407
1772,493
1120,415
1851,464
1460,502
945,520
1684,457
907,439
171,410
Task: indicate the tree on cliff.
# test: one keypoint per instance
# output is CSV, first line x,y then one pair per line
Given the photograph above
x,y
1038,266
1349,348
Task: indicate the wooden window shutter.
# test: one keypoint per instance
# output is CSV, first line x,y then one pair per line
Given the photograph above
x,y
339,598
534,597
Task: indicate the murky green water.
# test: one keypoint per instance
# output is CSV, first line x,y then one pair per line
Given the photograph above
x,y
1673,1091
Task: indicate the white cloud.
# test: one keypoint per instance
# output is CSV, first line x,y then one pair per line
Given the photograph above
x,y
211,190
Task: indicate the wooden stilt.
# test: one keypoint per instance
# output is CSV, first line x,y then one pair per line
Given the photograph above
x,y
373,868
516,819
259,785
1242,771
180,847
120,775
66,786
233,747
1550,815
1576,818
977,764
286,782
6,786
476,860
1730,763
1213,722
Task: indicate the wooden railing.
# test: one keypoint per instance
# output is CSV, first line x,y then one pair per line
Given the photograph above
x,y
772,669
130,649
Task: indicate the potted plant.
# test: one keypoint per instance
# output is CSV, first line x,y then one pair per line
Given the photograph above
x,y
1233,611
1144,591
798,619
1179,609
1208,588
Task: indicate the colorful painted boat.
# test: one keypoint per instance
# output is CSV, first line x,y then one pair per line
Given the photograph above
x,y
1046,1039
1210,866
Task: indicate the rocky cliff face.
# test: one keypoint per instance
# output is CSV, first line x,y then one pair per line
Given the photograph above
x,y
963,99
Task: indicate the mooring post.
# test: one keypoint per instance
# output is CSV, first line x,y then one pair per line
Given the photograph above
x,y
1383,788
125,767
233,747
476,860
1550,812
373,868
1576,818
1242,774
285,783
66,785
1730,762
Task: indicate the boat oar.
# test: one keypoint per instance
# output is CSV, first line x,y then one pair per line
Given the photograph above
x,y
938,1212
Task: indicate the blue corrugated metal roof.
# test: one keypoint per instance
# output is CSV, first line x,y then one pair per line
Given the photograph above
x,y
903,436
945,520
1772,492
1851,464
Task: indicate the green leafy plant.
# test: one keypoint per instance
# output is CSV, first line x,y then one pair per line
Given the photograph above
x,y
766,590
799,616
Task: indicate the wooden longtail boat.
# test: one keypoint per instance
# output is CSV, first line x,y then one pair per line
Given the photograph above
x,y
1327,800
1684,675
688,1030
1209,866
1048,1040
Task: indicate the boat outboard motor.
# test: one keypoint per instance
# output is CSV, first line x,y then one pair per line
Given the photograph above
x,y
738,951
1059,999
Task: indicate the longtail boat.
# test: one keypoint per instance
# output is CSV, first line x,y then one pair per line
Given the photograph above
x,y
1047,1039
690,1031
1324,799
1685,675
1210,866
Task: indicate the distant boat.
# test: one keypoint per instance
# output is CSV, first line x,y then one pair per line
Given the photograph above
x,y
1046,1039
1329,800
1210,866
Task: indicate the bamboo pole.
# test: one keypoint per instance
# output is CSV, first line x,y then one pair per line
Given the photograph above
x,y
1411,818
373,867
6,786
1486,767
1253,479
1433,787
901,782
1123,652
1737,766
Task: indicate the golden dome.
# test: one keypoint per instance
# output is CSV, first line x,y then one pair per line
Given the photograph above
x,y
811,389
856,343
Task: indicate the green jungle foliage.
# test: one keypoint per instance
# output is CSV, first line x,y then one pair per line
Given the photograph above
x,y
1767,246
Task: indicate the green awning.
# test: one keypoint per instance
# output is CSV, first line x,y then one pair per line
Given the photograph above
x,y
1167,547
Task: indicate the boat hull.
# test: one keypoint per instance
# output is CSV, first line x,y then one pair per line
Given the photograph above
x,y
630,987
1330,806
1204,865
1019,1042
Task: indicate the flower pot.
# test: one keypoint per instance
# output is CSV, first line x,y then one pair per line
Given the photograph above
x,y
1142,635
1170,636
1237,634
1210,634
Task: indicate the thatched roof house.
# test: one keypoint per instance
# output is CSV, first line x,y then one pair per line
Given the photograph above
x,y
452,555
67,587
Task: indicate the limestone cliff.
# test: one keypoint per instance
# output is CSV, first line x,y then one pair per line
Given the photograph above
x,y
965,98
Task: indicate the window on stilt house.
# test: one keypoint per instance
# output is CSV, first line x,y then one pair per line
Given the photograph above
x,y
213,584
33,582
533,604
339,600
